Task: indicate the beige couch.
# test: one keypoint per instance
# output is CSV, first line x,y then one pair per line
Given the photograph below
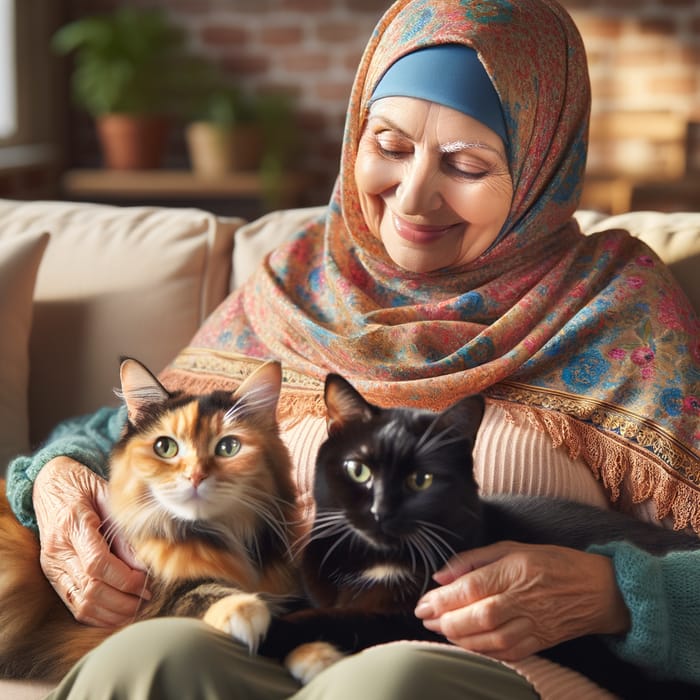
x,y
82,284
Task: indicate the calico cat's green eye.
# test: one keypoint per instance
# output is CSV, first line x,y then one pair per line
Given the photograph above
x,y
419,481
165,447
227,446
357,471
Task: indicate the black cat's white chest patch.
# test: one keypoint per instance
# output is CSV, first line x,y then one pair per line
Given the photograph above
x,y
386,573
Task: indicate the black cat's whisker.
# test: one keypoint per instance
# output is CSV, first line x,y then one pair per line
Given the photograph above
x,y
429,529
326,522
426,440
331,549
437,442
418,546
427,433
326,525
434,553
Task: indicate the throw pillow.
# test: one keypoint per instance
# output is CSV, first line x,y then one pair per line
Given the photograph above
x,y
19,261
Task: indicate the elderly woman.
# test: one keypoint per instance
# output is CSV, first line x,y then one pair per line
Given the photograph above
x,y
447,263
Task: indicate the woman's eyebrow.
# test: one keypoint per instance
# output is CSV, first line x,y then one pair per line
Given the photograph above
x,y
456,146
392,125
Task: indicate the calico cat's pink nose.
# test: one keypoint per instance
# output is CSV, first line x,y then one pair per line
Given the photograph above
x,y
197,477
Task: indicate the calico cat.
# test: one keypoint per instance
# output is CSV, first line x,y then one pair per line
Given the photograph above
x,y
201,488
395,499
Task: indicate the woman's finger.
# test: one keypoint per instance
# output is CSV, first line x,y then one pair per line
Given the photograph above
x,y
100,564
96,586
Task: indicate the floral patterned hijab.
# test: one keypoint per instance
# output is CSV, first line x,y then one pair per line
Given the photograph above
x,y
590,334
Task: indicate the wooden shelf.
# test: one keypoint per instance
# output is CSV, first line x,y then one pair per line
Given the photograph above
x,y
174,185
616,194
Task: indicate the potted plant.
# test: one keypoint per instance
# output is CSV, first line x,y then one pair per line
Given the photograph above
x,y
229,130
125,76
223,135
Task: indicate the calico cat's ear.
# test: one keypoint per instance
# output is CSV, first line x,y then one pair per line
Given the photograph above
x,y
260,390
466,413
139,388
344,403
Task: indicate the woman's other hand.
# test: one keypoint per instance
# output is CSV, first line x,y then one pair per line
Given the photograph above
x,y
99,586
510,600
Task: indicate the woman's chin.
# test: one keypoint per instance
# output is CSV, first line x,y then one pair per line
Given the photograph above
x,y
418,259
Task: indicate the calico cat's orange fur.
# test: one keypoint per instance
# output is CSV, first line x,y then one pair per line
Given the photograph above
x,y
201,488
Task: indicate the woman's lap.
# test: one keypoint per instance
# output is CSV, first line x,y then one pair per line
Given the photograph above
x,y
183,659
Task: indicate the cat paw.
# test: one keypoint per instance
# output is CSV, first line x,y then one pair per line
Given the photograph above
x,y
308,660
245,616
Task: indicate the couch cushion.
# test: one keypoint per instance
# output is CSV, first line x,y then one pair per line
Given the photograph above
x,y
19,261
114,281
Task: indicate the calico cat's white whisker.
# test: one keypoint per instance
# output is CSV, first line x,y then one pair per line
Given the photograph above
x,y
270,512
254,400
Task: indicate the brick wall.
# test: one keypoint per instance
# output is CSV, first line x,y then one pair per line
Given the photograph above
x,y
644,56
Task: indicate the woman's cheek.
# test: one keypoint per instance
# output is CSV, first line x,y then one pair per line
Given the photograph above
x,y
373,177
373,174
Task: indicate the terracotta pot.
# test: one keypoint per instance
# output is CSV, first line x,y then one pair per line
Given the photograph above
x,y
132,142
247,147
215,150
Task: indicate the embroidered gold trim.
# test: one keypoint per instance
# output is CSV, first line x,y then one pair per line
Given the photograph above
x,y
675,457
232,366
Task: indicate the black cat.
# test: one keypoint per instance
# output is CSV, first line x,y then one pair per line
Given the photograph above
x,y
396,498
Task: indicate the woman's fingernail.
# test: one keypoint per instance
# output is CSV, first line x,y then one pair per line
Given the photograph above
x,y
424,610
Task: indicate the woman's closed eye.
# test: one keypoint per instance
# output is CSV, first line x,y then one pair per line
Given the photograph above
x,y
392,147
464,168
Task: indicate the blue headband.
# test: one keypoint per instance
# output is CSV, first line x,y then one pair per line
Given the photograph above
x,y
449,74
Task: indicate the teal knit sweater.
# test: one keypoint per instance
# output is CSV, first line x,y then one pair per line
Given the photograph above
x,y
662,593
87,439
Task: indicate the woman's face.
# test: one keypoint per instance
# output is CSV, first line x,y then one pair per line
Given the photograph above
x,y
433,182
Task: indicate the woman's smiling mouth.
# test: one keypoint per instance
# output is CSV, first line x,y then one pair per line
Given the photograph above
x,y
421,234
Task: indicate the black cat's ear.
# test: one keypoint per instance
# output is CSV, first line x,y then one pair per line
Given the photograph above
x,y
344,403
260,390
139,387
467,414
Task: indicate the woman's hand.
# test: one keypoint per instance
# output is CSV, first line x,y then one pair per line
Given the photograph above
x,y
510,600
98,586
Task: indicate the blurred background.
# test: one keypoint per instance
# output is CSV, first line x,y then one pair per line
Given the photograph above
x,y
290,64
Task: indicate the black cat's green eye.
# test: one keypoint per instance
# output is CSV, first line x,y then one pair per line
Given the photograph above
x,y
165,447
227,447
357,471
419,481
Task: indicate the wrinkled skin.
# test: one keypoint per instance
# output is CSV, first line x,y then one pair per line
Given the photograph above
x,y
99,585
509,600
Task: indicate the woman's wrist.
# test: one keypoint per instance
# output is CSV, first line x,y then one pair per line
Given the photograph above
x,y
614,616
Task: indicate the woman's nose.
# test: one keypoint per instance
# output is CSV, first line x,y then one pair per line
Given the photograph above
x,y
418,192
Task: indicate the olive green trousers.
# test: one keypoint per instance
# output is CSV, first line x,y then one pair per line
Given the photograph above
x,y
183,659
